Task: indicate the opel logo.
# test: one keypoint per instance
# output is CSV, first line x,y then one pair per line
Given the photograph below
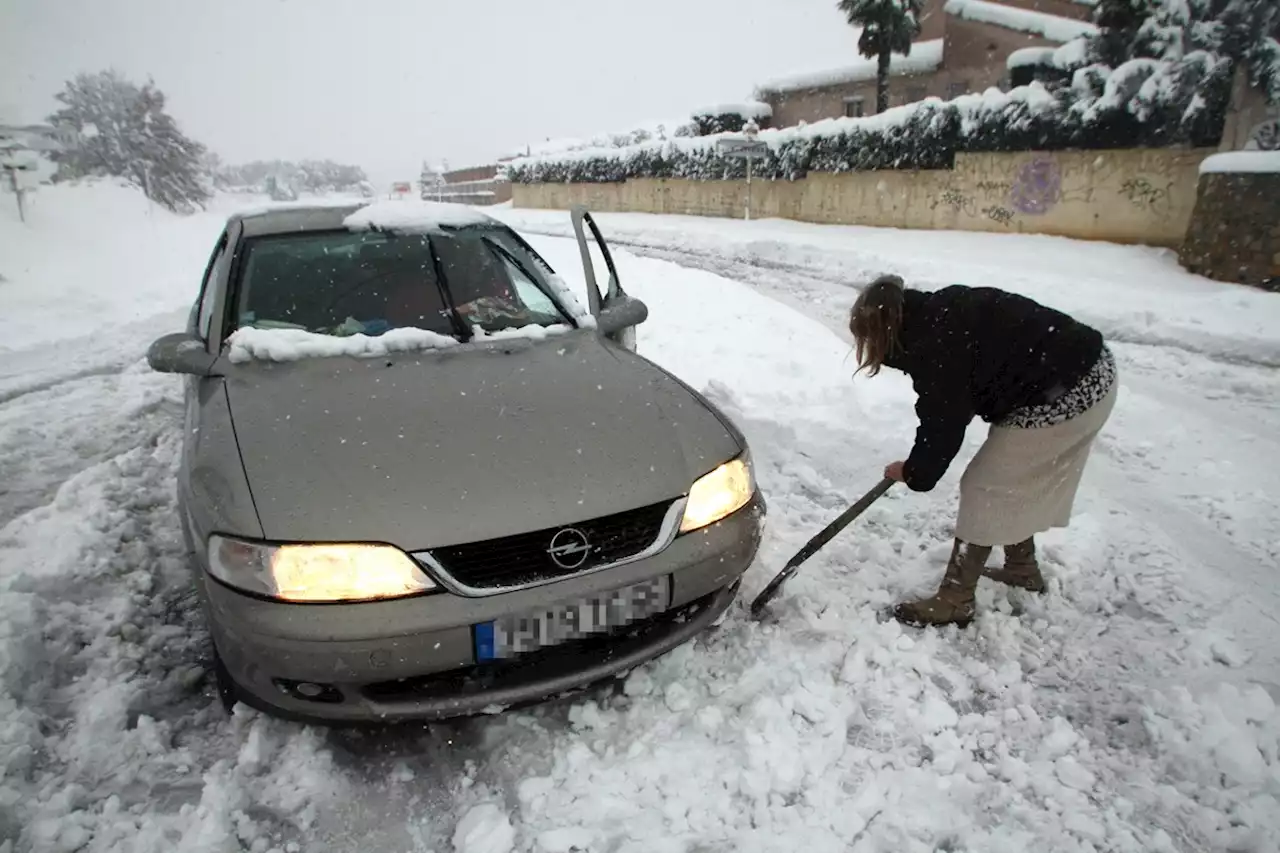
x,y
569,548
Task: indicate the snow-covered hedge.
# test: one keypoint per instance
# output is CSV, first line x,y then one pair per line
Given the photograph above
x,y
1142,103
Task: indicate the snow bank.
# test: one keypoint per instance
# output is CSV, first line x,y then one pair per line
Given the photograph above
x,y
413,215
925,56
95,256
1248,162
1052,27
293,344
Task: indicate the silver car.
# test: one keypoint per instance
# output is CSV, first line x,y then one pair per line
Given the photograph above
x,y
420,480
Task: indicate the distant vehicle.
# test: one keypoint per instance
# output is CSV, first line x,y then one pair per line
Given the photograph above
x,y
509,504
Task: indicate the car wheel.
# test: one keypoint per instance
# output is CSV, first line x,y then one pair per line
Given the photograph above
x,y
228,695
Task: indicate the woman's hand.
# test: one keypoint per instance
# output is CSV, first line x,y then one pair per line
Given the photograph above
x,y
893,471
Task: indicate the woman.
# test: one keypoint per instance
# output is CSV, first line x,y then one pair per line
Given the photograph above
x,y
1045,382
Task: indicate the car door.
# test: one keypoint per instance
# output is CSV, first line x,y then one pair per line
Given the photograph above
x,y
599,265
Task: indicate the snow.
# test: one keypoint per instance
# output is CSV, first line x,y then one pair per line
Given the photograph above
x,y
413,215
925,56
748,110
1249,162
1025,56
1100,716
1115,288
484,829
970,107
248,344
1052,27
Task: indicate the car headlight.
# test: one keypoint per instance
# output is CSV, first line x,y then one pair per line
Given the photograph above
x,y
316,573
719,494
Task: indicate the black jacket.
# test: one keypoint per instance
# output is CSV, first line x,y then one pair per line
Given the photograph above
x,y
986,352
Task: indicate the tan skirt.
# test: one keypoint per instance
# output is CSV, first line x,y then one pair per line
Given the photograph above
x,y
1023,481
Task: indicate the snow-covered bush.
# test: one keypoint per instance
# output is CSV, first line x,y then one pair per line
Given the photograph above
x,y
1146,73
1142,103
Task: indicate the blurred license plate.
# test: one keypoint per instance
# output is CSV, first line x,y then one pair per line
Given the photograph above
x,y
571,620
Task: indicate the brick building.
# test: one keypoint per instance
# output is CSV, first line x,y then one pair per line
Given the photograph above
x,y
475,185
963,46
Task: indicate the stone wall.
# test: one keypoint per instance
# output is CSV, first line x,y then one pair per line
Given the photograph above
x,y
1234,233
1132,196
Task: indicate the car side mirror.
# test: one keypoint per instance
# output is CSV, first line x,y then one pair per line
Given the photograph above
x,y
620,314
180,353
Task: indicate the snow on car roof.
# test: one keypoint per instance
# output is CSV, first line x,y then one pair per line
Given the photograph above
x,y
415,216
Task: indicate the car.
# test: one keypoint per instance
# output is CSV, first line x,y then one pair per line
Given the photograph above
x,y
420,480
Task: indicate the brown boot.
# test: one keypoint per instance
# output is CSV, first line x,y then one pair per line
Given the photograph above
x,y
1020,567
953,603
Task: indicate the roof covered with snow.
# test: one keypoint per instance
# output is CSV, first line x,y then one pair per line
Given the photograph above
x,y
1244,162
1073,54
1052,27
746,109
925,56
409,215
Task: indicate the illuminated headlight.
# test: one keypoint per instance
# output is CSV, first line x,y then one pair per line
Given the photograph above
x,y
719,494
316,573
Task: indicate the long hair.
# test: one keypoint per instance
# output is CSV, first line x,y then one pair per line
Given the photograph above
x,y
876,321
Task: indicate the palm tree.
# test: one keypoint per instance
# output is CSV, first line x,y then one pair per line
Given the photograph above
x,y
888,26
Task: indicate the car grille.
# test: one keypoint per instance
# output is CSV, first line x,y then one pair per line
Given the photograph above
x,y
526,558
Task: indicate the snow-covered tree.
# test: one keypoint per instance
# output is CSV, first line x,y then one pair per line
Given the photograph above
x,y
888,26
123,130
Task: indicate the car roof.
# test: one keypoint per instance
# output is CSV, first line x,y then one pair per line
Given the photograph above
x,y
317,216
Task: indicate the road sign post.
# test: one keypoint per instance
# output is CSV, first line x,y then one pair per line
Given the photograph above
x,y
745,147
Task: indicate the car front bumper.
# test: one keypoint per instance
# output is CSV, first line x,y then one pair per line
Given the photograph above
x,y
414,658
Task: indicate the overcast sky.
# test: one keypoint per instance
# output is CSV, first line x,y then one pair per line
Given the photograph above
x,y
388,83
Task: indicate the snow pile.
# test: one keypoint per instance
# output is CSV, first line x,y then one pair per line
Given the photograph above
x,y
1052,27
1248,162
484,829
925,56
247,344
411,215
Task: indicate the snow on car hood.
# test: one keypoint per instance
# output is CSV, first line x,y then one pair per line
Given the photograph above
x,y
467,443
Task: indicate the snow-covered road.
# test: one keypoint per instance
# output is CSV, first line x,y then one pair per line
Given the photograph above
x,y
1133,708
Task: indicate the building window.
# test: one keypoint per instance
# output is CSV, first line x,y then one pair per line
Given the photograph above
x,y
854,108
957,88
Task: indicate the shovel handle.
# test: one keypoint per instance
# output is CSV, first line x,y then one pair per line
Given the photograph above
x,y
815,544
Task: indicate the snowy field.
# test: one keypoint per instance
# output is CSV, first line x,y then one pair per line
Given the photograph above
x,y
1133,708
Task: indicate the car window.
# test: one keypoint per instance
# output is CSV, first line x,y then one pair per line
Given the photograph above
x,y
341,283
208,292
489,288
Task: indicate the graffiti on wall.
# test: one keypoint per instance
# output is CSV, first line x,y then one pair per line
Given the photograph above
x,y
1037,187
1142,192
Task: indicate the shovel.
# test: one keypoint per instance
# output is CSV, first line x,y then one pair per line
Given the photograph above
x,y
813,545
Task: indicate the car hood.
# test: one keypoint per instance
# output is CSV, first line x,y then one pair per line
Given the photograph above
x,y
424,450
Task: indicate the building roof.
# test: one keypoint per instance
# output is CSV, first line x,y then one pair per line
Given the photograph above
x,y
1051,27
925,56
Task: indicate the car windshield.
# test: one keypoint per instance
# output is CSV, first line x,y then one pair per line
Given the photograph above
x,y
343,283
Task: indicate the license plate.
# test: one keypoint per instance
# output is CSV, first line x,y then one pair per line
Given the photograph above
x,y
571,620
